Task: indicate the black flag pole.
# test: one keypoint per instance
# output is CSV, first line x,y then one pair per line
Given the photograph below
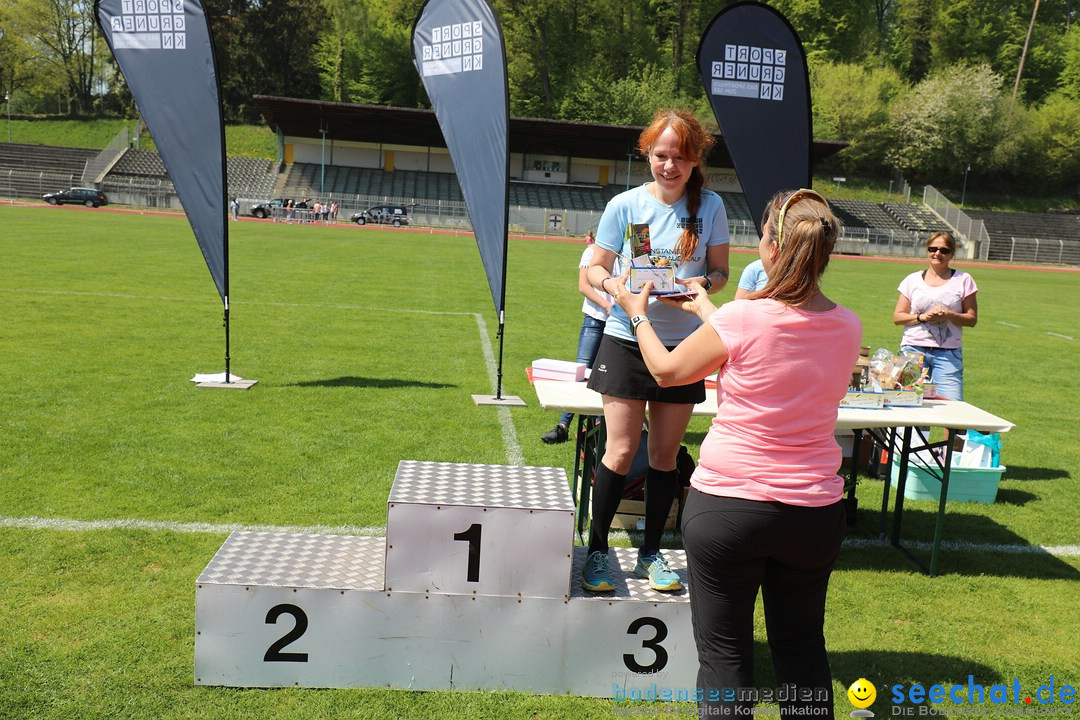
x,y
166,52
459,52
753,67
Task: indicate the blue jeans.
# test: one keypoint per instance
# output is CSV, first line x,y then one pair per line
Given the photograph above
x,y
592,330
946,370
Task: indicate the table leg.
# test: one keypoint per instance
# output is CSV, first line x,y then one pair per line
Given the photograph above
x,y
939,523
590,448
851,505
580,479
898,511
887,439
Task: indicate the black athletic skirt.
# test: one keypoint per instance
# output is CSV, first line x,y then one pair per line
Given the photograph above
x,y
620,371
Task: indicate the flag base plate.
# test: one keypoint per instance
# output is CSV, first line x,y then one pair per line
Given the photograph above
x,y
234,385
510,400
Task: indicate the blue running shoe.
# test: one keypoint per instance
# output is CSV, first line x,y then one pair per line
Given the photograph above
x,y
595,576
656,569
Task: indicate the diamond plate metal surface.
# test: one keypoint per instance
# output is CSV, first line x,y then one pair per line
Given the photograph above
x,y
629,586
440,483
287,560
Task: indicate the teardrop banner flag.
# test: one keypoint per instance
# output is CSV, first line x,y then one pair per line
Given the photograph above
x,y
166,52
459,52
753,67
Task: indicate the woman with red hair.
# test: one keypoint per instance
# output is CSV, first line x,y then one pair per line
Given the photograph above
x,y
688,230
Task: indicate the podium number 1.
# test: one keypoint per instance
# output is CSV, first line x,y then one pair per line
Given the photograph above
x,y
472,536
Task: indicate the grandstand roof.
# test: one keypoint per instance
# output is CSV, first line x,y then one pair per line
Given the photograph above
x,y
406,126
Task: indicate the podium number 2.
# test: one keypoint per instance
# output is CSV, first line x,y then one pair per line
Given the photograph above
x,y
273,653
472,536
659,653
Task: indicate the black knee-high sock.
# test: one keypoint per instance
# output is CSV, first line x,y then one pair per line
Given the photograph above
x,y
607,492
659,492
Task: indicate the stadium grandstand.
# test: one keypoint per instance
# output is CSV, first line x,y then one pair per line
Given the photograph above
x,y
1032,237
562,174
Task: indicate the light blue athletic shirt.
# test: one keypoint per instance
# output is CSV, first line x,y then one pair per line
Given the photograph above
x,y
753,277
666,222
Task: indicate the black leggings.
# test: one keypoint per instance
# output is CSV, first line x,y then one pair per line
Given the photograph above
x,y
733,548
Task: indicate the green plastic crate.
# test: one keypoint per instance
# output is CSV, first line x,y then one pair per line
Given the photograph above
x,y
965,484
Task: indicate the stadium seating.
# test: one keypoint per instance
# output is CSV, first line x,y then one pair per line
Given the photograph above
x,y
1031,237
246,177
865,214
140,163
915,218
43,158
1051,226
737,209
33,170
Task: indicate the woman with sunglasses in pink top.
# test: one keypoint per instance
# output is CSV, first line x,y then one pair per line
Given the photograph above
x,y
765,512
934,307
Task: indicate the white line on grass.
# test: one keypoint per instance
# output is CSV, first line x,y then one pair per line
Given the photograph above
x,y
964,546
514,455
1012,325
39,523
1067,337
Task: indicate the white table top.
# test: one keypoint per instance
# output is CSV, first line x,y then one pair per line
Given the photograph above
x,y
576,398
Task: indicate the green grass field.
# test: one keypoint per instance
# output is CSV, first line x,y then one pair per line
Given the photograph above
x,y
367,345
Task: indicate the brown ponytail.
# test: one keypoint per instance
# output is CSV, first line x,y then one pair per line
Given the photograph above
x,y
810,231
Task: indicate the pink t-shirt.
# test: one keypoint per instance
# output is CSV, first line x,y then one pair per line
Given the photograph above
x,y
945,335
778,396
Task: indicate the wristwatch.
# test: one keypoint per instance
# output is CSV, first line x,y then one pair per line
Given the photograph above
x,y
637,321
707,284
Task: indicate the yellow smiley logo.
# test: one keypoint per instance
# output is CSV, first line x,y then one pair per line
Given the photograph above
x,y
862,693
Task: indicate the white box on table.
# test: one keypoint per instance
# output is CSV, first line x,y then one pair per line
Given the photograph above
x,y
547,369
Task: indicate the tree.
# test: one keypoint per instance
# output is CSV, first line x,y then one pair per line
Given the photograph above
x,y
851,102
542,45
1069,80
16,68
346,25
1056,130
626,101
62,37
911,50
951,119
832,30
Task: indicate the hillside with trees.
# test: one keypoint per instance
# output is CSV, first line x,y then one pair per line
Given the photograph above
x,y
929,88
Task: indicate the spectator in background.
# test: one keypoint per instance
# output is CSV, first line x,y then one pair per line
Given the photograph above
x,y
235,207
596,306
753,278
934,307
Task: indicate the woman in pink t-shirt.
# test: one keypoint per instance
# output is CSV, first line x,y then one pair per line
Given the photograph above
x,y
765,511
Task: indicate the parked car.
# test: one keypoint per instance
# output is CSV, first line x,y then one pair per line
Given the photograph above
x,y
265,209
382,214
90,197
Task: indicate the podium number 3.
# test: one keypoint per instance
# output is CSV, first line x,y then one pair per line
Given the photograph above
x,y
472,536
659,653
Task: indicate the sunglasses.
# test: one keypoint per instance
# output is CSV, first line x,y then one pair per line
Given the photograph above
x,y
942,250
788,202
